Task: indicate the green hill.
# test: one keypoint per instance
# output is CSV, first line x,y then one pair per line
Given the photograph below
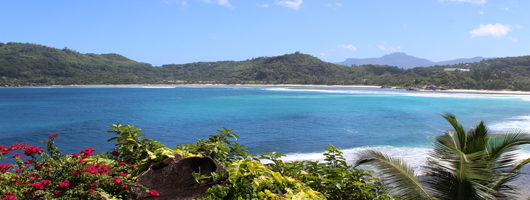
x,y
32,64
40,64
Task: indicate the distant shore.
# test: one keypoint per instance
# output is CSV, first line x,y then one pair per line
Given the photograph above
x,y
472,91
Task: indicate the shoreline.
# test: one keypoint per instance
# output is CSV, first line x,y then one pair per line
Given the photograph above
x,y
469,91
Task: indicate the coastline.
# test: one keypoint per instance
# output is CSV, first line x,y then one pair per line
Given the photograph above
x,y
469,91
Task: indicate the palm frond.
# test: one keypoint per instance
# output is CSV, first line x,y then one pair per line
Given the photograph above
x,y
477,138
459,130
500,148
501,188
395,173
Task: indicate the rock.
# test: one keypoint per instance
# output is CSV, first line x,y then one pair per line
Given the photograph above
x,y
173,178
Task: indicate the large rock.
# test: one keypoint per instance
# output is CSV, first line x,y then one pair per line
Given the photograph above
x,y
173,178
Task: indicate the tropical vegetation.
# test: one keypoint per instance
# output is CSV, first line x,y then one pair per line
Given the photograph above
x,y
32,64
462,165
51,174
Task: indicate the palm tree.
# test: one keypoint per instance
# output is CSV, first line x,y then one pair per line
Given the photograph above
x,y
462,165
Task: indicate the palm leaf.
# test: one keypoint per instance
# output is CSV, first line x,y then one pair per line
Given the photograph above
x,y
395,173
459,131
500,148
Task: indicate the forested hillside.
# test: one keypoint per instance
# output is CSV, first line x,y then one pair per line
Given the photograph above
x,y
32,64
21,64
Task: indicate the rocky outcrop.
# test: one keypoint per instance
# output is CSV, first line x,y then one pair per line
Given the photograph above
x,y
173,178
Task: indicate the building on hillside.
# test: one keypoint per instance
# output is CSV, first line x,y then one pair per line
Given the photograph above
x,y
456,70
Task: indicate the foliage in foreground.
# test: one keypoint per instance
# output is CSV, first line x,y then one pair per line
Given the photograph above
x,y
462,165
54,175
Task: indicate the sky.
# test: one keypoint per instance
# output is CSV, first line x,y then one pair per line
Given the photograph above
x,y
185,31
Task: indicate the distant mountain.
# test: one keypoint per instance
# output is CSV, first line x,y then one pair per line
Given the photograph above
x,y
403,60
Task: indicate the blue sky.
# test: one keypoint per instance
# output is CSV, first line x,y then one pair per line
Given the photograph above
x,y
183,31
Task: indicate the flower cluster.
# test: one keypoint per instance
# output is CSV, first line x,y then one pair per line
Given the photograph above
x,y
79,176
28,150
98,169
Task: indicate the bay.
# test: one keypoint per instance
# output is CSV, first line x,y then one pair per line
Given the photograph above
x,y
298,121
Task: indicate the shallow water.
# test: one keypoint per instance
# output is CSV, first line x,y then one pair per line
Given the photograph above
x,y
298,121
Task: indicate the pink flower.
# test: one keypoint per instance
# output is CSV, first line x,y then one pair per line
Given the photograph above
x,y
4,167
123,174
115,153
122,163
38,186
76,173
55,192
18,170
17,156
90,191
10,198
153,193
53,135
64,184
75,154
28,161
116,180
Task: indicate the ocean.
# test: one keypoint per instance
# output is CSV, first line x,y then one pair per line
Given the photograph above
x,y
297,121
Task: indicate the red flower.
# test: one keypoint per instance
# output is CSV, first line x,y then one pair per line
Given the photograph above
x,y
10,198
28,161
53,135
76,173
4,167
75,154
116,180
55,192
123,174
153,193
122,163
115,153
64,184
90,191
18,170
17,156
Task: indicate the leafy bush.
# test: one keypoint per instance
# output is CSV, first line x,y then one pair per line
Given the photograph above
x,y
334,178
59,176
54,175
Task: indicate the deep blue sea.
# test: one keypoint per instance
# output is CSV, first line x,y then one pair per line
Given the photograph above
x,y
297,121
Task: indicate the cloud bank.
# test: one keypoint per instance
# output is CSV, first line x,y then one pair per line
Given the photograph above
x,y
290,4
497,30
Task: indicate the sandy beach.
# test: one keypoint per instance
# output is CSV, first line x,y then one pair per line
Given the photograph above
x,y
469,91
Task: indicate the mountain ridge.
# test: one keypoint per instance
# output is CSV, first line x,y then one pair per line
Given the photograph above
x,y
405,61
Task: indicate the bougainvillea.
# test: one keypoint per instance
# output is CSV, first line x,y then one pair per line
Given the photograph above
x,y
54,175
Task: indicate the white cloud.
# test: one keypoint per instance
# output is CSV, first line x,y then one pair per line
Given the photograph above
x,y
295,4
518,26
349,47
481,12
262,5
335,5
184,3
491,29
220,2
514,39
384,47
480,2
323,54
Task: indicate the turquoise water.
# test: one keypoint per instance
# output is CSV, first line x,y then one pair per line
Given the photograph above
x,y
298,121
